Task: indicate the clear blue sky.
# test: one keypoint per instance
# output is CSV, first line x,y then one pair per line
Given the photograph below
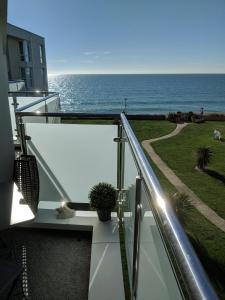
x,y
127,36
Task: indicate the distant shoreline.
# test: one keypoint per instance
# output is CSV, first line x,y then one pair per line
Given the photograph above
x,y
153,74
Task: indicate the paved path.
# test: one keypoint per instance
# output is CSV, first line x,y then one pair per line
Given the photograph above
x,y
204,209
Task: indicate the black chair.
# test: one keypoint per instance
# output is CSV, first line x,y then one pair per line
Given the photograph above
x,y
27,179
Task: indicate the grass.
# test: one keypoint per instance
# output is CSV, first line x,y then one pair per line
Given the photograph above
x,y
148,129
210,237
180,154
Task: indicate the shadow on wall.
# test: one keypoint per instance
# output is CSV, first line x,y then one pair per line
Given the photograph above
x,y
50,187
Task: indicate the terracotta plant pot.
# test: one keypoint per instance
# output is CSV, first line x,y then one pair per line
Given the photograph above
x,y
104,214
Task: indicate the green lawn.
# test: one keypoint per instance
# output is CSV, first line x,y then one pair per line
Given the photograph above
x,y
211,238
209,235
148,129
180,154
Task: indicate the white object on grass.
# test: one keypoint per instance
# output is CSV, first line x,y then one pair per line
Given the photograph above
x,y
217,135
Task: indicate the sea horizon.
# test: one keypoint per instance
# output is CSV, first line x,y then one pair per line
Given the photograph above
x,y
59,74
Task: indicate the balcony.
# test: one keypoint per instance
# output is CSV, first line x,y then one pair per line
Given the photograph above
x,y
16,85
34,101
75,152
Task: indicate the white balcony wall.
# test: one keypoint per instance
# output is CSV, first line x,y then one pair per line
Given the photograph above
x,y
72,158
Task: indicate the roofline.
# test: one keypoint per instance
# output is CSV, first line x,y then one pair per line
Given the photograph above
x,y
25,30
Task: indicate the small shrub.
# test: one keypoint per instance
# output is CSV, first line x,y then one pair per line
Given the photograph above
x,y
204,155
103,196
190,114
172,117
181,204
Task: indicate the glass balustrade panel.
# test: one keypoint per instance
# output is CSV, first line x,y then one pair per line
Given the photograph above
x,y
130,174
155,275
72,158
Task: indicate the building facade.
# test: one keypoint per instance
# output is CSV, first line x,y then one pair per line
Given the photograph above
x,y
26,58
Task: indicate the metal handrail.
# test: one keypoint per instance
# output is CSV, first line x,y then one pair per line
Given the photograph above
x,y
36,102
99,116
194,276
29,92
80,115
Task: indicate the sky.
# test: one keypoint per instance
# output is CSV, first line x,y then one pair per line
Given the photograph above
x,y
126,36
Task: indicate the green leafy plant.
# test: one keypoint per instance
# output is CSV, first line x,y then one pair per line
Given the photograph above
x,y
181,204
204,155
190,115
103,196
172,117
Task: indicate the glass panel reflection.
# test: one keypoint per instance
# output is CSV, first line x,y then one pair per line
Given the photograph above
x,y
130,173
155,277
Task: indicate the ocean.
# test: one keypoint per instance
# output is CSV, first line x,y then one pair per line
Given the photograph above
x,y
144,94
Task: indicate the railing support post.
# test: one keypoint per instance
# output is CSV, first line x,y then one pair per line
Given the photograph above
x,y
120,171
22,136
137,222
15,105
120,159
46,110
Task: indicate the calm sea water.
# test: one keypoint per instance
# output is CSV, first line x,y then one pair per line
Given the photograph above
x,y
145,93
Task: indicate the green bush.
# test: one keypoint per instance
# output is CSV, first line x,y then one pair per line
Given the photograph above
x,y
172,117
103,196
181,204
204,155
190,115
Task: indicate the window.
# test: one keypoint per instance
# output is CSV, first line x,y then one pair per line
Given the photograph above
x,y
25,52
26,49
23,74
41,50
27,76
43,75
21,50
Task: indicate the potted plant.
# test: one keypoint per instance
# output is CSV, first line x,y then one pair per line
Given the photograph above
x,y
103,198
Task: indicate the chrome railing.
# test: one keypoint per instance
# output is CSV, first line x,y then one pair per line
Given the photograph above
x,y
45,94
194,277
30,93
44,99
